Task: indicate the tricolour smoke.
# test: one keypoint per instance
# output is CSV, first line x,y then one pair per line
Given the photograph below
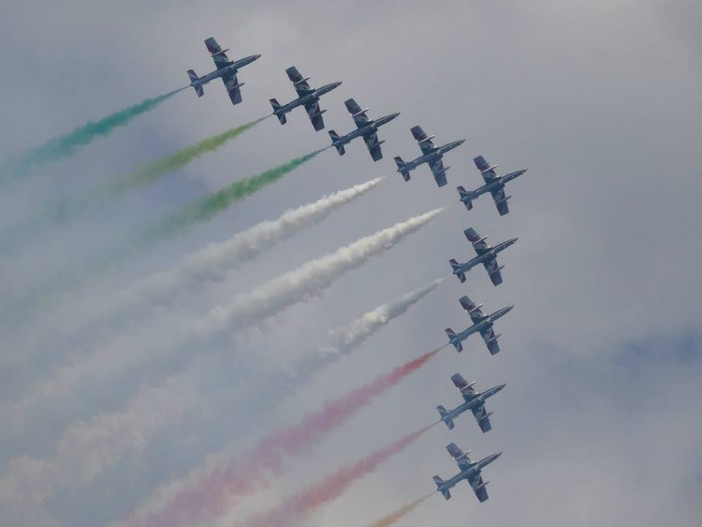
x,y
151,172
208,207
212,494
292,510
88,448
66,145
400,513
310,278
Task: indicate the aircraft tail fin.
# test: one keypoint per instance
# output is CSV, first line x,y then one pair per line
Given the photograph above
x,y
402,168
441,488
197,87
444,416
280,115
465,197
455,266
335,142
452,339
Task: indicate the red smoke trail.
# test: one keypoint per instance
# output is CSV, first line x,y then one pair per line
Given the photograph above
x,y
290,511
213,493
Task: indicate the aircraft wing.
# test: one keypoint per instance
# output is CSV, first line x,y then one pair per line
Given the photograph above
x,y
466,389
493,271
301,86
425,142
373,146
483,418
359,116
219,56
488,171
490,340
479,244
476,314
232,85
478,487
500,200
456,453
439,172
315,114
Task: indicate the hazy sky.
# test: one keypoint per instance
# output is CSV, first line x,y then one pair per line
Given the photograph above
x,y
601,100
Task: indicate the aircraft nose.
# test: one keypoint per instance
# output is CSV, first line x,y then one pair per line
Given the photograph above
x,y
257,56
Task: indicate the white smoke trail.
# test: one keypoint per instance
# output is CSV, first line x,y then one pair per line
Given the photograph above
x,y
259,398
209,263
309,279
106,371
205,265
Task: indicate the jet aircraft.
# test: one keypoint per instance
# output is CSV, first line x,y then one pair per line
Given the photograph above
x,y
365,127
431,155
474,401
482,324
306,96
471,471
486,255
494,184
226,70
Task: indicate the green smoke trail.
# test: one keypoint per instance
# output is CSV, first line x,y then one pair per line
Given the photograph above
x,y
148,173
206,208
68,209
66,145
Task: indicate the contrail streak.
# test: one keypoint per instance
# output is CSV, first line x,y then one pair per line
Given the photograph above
x,y
149,173
296,507
214,492
66,145
400,513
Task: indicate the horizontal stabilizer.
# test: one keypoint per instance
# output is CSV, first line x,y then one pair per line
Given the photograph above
x,y
402,168
441,488
452,339
455,267
444,416
465,197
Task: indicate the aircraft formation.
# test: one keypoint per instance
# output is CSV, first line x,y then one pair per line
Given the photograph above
x,y
432,156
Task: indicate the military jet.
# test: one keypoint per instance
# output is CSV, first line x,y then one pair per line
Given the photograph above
x,y
482,324
474,401
471,471
487,256
494,184
307,97
226,70
365,127
432,155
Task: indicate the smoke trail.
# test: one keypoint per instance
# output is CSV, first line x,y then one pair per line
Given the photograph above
x,y
253,399
206,208
400,513
310,278
208,264
213,493
150,172
66,145
291,511
346,339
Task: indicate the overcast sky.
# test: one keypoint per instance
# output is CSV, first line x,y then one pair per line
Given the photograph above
x,y
601,100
